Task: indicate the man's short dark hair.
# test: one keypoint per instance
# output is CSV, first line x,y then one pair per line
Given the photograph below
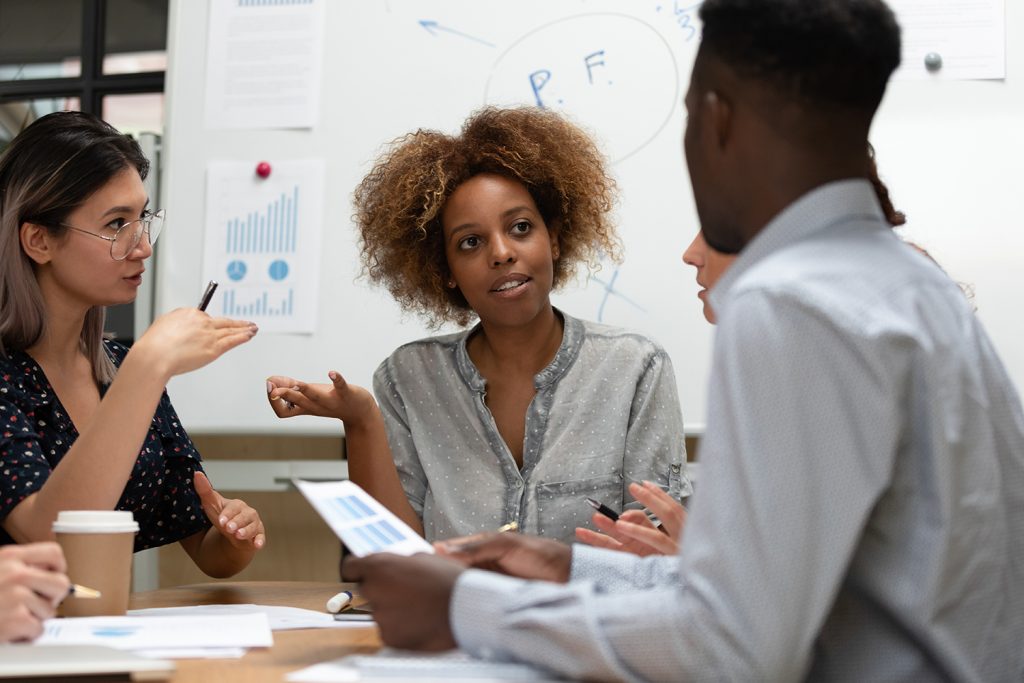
x,y
822,52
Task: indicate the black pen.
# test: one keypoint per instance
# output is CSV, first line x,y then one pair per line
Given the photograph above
x,y
604,509
211,287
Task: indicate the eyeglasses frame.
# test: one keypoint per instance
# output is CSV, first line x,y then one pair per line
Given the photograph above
x,y
146,223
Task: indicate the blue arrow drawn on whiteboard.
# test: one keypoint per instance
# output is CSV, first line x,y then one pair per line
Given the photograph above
x,y
433,27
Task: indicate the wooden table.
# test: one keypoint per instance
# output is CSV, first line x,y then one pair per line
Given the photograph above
x,y
292,650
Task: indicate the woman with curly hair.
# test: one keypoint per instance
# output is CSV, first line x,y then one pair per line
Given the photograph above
x,y
530,411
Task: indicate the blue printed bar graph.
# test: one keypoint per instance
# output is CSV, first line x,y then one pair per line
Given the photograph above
x,y
271,231
258,303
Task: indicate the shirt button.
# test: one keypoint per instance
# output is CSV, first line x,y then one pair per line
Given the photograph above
x,y
675,468
519,484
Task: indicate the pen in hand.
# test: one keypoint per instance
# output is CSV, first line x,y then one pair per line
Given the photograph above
x,y
211,287
83,592
603,509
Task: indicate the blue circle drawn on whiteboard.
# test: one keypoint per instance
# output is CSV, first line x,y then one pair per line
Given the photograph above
x,y
236,270
600,69
278,270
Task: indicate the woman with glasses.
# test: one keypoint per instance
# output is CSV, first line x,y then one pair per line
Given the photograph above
x,y
85,422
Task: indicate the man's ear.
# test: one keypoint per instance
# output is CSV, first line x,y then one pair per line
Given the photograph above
x,y
36,242
720,114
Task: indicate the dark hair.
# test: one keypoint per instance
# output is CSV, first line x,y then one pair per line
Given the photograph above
x,y
399,202
47,171
823,52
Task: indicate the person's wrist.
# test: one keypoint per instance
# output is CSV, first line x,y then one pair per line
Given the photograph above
x,y
365,418
145,358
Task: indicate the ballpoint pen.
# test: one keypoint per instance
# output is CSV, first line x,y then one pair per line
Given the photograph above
x,y
83,592
211,287
603,509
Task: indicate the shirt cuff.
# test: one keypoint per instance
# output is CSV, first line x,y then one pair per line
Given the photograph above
x,y
479,603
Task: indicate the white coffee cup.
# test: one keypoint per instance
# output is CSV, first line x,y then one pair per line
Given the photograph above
x,y
98,546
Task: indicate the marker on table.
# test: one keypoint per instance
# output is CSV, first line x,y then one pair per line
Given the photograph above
x,y
339,602
603,509
211,287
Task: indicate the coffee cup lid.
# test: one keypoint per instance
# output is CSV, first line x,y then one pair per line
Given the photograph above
x,y
95,522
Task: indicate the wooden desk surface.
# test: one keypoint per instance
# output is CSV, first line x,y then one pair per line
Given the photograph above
x,y
292,650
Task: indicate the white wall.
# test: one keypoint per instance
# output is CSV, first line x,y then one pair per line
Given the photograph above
x,y
952,154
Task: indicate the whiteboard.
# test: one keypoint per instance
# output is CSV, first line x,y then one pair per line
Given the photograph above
x,y
951,152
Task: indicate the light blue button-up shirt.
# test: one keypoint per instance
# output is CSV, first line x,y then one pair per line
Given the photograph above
x,y
861,509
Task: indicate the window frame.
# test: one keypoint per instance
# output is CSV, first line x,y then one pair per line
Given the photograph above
x,y
91,85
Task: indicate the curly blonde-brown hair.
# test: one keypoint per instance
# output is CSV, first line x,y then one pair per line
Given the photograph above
x,y
399,203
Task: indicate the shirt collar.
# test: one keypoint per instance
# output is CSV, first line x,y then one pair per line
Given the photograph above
x,y
817,211
572,339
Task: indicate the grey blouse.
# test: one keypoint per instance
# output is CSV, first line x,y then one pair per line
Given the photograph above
x,y
606,413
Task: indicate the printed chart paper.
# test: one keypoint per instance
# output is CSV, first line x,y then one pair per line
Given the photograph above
x,y
264,63
140,633
262,243
970,37
365,526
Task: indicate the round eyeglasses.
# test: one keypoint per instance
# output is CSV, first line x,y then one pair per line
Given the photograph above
x,y
128,236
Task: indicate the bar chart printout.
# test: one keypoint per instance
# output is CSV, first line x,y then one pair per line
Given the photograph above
x,y
263,243
363,524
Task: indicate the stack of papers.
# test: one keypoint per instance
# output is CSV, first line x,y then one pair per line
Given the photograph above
x,y
166,637
279,618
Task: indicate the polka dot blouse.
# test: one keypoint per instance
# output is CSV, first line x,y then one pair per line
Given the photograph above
x,y
36,432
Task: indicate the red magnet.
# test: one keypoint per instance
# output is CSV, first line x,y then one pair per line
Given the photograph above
x,y
263,169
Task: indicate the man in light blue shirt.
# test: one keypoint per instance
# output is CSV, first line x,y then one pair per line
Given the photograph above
x,y
861,508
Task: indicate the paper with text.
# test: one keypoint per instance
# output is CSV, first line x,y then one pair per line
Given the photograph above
x,y
264,63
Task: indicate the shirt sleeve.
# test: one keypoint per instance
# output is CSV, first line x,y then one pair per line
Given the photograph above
x,y
400,439
792,469
655,440
23,468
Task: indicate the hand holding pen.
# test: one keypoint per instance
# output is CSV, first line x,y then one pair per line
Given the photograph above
x,y
32,583
634,532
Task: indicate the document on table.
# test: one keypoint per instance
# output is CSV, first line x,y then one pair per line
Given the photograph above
x,y
163,633
401,665
280,618
363,524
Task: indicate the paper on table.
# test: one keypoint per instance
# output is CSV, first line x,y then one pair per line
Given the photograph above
x,y
193,653
401,665
279,618
361,522
142,632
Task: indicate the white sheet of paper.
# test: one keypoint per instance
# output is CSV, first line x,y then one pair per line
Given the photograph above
x,y
969,36
280,618
193,653
398,665
360,521
163,633
262,243
264,63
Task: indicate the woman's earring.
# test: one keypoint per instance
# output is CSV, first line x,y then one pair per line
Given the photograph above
x,y
451,284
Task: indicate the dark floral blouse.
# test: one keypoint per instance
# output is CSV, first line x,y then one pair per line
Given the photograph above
x,y
36,432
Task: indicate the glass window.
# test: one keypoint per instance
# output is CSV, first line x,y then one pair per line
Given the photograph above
x,y
142,113
16,115
135,38
40,39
